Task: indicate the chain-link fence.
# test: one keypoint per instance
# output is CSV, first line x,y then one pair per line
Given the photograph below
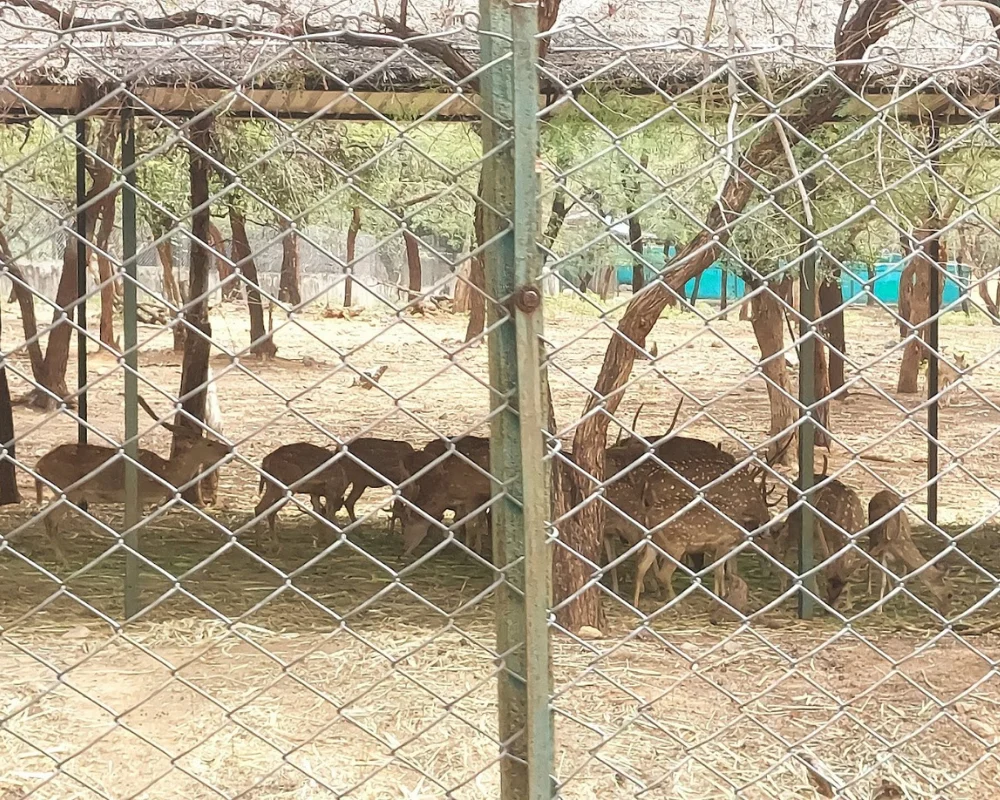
x,y
300,500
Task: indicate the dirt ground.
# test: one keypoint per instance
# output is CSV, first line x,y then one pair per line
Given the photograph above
x,y
256,675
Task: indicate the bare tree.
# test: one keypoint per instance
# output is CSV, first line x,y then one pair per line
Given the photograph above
x,y
290,282
352,243
197,345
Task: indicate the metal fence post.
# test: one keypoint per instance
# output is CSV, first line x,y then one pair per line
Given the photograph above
x,y
129,342
81,277
510,195
933,342
529,322
807,431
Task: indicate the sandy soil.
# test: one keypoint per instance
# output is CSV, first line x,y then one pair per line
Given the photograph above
x,y
256,675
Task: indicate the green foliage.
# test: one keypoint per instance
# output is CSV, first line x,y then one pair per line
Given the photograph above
x,y
869,185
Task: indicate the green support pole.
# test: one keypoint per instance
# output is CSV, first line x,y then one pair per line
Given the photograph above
x,y
129,342
81,278
807,433
509,93
528,319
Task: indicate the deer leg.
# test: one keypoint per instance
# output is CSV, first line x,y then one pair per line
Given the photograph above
x,y
356,491
266,509
665,568
647,559
883,583
51,521
393,514
609,551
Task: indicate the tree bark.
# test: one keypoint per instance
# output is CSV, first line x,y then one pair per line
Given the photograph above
x,y
105,273
768,327
261,341
171,291
197,347
26,302
831,300
919,309
561,205
635,227
352,244
869,23
52,380
870,299
694,291
414,270
9,494
230,290
724,294
290,283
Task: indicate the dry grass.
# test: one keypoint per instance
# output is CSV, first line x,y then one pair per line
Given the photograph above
x,y
364,677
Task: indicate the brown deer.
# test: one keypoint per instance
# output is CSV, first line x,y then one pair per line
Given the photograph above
x,y
370,464
839,517
728,509
892,538
300,468
700,463
442,482
95,474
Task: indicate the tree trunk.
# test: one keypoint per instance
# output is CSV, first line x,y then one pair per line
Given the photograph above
x,y
26,302
171,291
768,327
869,23
289,284
52,382
635,242
821,390
105,273
230,287
631,186
992,307
9,494
724,294
197,347
907,279
919,308
477,277
831,301
694,291
352,244
870,299
561,205
261,342
414,277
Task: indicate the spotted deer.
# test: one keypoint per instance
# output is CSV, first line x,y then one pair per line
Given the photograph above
x,y
891,539
839,516
445,481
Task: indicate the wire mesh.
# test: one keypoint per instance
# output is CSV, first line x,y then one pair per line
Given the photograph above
x,y
767,256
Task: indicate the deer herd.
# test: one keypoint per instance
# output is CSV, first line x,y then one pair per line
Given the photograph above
x,y
667,500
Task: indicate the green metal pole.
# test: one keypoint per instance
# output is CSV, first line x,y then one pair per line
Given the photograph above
x,y
528,319
508,87
81,278
129,341
807,433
